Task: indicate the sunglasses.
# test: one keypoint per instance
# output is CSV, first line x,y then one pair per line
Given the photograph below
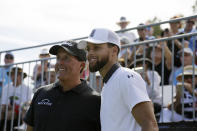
x,y
9,57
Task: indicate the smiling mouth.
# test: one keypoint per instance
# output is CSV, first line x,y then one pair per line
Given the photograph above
x,y
92,59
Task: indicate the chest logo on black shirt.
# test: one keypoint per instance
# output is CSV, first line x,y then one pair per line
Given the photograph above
x,y
45,102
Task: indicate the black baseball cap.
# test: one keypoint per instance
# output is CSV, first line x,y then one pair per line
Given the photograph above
x,y
72,48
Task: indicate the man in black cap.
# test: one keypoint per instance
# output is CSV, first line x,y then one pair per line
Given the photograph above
x,y
70,104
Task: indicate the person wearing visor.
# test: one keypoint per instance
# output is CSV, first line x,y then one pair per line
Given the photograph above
x,y
69,104
125,105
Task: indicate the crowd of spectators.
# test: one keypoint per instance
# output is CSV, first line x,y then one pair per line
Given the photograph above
x,y
168,60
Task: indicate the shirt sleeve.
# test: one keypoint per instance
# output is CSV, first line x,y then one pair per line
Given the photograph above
x,y
133,90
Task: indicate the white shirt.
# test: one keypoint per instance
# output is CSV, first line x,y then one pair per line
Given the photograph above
x,y
120,94
131,36
153,89
21,94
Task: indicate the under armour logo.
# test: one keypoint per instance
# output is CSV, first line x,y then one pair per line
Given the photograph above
x,y
92,33
129,76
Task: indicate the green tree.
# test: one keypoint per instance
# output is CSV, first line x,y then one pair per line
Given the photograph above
x,y
157,29
195,7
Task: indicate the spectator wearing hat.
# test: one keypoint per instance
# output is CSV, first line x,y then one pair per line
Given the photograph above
x,y
188,92
189,28
125,104
123,23
39,72
142,37
175,27
177,46
186,60
188,99
69,104
4,79
152,79
13,96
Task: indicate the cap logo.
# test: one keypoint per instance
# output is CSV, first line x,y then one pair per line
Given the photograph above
x,y
68,43
92,33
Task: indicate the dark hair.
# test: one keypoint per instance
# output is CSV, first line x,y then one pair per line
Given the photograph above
x,y
166,30
9,56
112,45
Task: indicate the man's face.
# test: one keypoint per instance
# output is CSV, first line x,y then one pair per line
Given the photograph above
x,y
157,54
189,25
18,78
123,25
174,25
98,56
67,67
9,59
187,59
188,79
141,33
52,77
42,56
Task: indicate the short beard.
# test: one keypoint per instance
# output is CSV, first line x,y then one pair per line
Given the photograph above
x,y
99,64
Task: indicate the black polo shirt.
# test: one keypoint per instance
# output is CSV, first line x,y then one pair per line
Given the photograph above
x,y
54,110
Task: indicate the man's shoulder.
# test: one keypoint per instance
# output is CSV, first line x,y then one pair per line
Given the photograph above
x,y
89,90
124,72
47,88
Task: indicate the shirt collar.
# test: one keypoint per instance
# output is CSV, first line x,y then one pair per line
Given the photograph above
x,y
110,72
78,89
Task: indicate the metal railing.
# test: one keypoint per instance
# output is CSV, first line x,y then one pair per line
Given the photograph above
x,y
18,92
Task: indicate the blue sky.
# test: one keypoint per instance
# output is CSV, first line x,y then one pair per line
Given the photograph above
x,y
32,22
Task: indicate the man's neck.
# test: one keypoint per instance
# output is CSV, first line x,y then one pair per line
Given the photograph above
x,y
69,84
106,68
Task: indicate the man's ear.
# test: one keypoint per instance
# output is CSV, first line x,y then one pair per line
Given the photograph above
x,y
115,50
82,66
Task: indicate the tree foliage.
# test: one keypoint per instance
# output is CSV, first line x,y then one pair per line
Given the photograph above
x,y
157,29
195,7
